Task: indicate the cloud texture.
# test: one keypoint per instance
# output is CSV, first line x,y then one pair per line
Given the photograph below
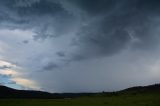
x,y
73,45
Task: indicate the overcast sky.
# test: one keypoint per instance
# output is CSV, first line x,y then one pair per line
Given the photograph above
x,y
79,45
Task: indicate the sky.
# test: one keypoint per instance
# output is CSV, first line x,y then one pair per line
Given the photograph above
x,y
79,45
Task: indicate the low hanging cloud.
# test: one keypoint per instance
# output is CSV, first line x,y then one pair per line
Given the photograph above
x,y
105,27
115,27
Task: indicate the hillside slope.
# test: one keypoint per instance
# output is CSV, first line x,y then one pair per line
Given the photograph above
x,y
6,92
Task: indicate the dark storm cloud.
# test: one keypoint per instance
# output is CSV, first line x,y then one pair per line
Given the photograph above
x,y
96,7
105,26
116,24
45,17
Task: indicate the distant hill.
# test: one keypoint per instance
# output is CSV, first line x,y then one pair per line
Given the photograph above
x,y
6,92
144,88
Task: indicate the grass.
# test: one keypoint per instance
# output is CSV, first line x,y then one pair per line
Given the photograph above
x,y
117,99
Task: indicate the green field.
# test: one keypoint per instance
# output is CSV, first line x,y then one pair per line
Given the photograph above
x,y
117,99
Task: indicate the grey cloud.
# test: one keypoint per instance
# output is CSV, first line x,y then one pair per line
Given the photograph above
x,y
96,7
61,54
45,17
25,41
106,27
44,7
50,66
25,3
5,67
114,29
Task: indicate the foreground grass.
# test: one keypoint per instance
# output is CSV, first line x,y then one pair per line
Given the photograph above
x,y
120,99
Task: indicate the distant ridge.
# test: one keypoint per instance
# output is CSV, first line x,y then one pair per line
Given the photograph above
x,y
6,92
149,87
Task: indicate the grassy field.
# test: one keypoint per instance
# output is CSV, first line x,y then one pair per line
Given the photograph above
x,y
118,99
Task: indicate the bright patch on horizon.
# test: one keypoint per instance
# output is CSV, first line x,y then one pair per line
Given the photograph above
x,y
14,77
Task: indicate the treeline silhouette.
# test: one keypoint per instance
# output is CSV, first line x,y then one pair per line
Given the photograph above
x,y
143,88
6,92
